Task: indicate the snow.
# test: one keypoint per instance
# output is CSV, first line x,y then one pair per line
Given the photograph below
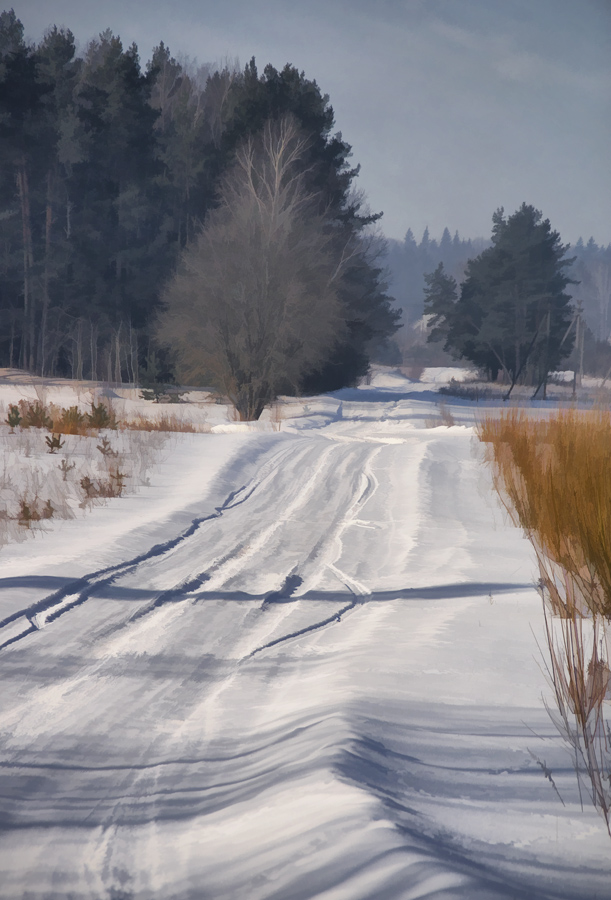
x,y
301,662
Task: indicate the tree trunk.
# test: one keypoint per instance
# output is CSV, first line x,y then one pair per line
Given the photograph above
x,y
118,378
26,356
45,278
12,343
93,348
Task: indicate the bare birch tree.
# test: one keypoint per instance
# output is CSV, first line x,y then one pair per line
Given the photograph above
x,y
254,304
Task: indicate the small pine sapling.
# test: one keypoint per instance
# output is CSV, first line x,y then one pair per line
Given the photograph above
x,y
101,416
14,417
28,513
54,442
106,450
66,467
34,415
90,487
117,481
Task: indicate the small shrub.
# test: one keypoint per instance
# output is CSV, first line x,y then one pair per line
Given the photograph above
x,y
164,423
106,450
175,396
113,487
153,393
446,416
277,415
65,467
161,393
117,483
101,416
28,512
466,391
70,421
14,417
89,487
414,371
34,415
54,442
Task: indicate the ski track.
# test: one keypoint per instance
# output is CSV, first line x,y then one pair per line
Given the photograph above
x,y
169,735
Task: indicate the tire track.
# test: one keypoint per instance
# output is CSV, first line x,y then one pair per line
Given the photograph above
x,y
77,592
368,484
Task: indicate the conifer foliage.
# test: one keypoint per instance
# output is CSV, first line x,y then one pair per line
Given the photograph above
x,y
513,314
108,170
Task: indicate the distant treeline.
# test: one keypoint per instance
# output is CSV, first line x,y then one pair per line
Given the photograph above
x,y
107,172
409,261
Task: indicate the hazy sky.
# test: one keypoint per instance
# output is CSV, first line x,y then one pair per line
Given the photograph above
x,y
452,107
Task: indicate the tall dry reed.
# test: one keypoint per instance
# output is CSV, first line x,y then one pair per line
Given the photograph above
x,y
556,474
554,477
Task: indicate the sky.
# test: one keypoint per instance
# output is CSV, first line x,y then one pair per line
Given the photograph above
x,y
453,108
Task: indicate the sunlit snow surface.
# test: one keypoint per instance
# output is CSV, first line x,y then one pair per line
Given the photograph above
x,y
302,663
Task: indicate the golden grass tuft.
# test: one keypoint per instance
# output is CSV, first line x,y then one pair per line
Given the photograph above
x,y
165,422
69,421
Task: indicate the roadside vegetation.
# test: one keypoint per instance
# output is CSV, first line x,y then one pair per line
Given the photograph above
x,y
57,462
553,477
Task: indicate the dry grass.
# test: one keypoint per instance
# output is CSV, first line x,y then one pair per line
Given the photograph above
x,y
59,420
445,417
164,422
556,475
555,480
45,476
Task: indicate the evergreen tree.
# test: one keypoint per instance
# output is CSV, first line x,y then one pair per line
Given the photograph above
x,y
513,313
440,296
22,139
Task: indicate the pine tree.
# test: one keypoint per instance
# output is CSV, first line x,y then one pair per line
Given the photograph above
x,y
440,296
513,312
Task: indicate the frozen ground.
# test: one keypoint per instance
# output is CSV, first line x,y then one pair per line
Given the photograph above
x,y
301,663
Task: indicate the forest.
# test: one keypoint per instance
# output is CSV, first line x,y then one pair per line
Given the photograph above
x,y
110,170
111,173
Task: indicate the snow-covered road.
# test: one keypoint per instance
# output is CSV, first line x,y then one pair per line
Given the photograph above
x,y
300,664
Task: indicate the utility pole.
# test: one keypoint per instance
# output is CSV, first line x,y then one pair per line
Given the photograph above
x,y
579,339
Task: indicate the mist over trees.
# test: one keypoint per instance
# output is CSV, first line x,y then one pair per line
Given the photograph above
x,y
409,261
592,271
110,170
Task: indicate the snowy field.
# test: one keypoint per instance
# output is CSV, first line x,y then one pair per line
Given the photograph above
x,y
301,662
